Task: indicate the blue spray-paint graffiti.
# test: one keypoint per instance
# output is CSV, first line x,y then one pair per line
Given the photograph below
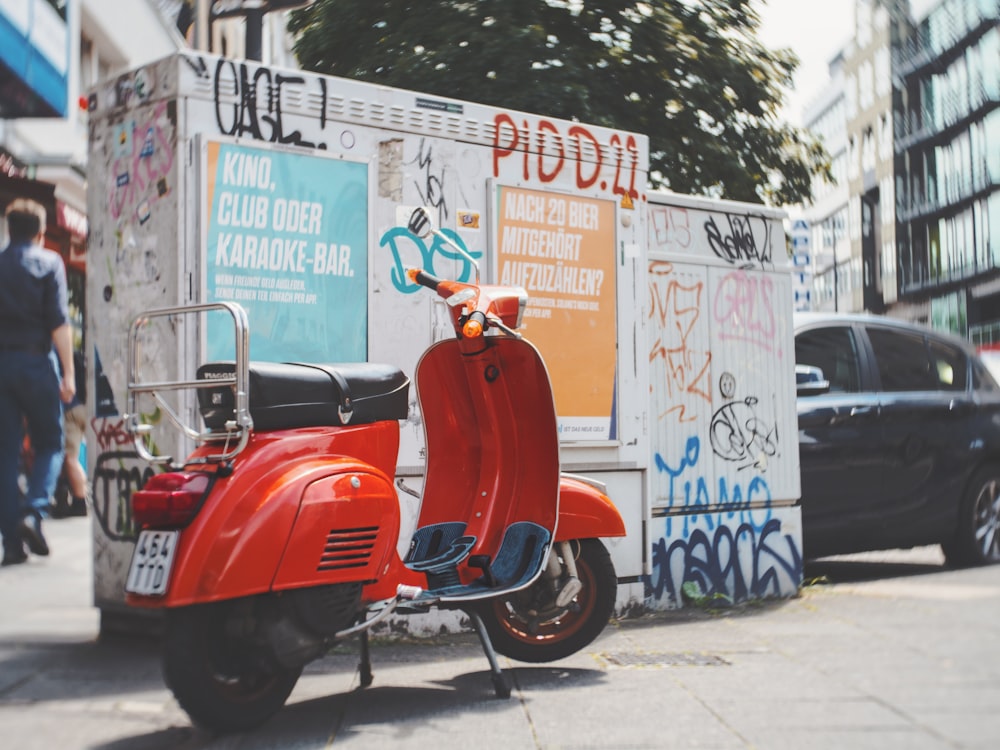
x,y
746,504
742,564
399,239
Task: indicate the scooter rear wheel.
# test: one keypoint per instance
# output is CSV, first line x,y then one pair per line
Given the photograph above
x,y
528,626
219,679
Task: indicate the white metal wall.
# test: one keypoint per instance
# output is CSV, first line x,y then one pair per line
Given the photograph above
x,y
724,466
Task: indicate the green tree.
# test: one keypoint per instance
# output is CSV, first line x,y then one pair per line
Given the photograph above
x,y
690,74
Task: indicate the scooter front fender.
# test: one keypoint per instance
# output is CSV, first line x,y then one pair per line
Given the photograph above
x,y
585,512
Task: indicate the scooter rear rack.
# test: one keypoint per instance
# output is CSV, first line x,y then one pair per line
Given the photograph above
x,y
236,432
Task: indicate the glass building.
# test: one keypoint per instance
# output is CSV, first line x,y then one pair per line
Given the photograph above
x,y
947,126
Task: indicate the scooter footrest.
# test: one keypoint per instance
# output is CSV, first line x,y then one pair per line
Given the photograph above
x,y
447,559
520,558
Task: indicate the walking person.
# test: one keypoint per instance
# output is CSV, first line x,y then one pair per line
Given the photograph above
x,y
74,427
34,328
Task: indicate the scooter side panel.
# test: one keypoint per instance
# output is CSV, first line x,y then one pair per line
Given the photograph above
x,y
586,513
235,544
347,527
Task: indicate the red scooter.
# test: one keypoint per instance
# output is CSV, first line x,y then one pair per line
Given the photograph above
x,y
277,537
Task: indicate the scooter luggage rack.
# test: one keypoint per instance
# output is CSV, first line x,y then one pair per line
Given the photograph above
x,y
237,429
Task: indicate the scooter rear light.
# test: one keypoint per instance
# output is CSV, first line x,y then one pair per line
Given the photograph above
x,y
171,499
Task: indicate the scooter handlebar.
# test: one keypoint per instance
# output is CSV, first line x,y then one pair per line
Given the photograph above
x,y
419,276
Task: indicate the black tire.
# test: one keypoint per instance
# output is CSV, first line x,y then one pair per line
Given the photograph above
x,y
219,679
977,538
527,626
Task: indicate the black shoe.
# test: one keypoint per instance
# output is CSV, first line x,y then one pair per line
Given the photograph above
x,y
77,507
31,533
14,556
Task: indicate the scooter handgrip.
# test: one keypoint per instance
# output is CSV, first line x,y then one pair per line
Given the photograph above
x,y
419,276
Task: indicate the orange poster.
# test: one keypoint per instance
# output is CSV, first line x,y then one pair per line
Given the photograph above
x,y
561,249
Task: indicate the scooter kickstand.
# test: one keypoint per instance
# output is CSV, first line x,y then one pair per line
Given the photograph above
x,y
500,685
365,666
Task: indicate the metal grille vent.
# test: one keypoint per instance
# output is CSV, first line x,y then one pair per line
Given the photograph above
x,y
335,106
293,98
356,108
348,548
315,102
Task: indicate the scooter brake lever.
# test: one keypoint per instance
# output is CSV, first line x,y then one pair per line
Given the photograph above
x,y
497,323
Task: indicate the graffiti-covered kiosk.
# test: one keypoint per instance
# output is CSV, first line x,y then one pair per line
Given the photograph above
x,y
665,320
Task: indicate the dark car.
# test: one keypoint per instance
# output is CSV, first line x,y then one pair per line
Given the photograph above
x,y
899,439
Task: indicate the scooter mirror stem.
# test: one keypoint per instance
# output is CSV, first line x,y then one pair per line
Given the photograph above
x,y
421,223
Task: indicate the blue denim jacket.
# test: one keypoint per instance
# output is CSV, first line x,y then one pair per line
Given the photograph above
x,y
32,296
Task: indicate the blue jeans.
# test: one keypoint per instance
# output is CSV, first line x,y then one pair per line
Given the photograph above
x,y
29,393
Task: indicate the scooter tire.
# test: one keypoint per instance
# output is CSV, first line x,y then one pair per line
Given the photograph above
x,y
521,630
217,678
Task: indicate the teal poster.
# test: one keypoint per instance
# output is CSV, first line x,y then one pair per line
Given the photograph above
x,y
287,240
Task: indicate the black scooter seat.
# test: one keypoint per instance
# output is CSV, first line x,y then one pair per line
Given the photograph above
x,y
293,394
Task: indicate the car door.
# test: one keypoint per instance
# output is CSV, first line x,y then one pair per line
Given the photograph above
x,y
838,438
924,402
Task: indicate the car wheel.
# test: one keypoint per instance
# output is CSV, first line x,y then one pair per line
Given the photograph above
x,y
977,539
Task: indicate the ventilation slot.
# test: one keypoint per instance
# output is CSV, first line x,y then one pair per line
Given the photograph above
x,y
293,98
348,548
356,109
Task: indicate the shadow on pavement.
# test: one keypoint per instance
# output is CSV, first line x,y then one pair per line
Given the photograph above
x,y
399,707
50,671
831,570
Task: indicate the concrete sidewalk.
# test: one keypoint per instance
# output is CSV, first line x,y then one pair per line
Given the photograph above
x,y
907,659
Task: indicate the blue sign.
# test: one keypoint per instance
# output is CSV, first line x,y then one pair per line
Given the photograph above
x,y
34,60
288,240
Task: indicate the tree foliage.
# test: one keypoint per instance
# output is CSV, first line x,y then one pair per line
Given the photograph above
x,y
690,74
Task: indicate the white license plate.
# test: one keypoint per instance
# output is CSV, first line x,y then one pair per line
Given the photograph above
x,y
152,559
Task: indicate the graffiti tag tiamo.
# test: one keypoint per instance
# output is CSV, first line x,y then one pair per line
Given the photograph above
x,y
689,491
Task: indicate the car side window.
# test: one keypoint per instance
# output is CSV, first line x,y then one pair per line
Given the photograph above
x,y
902,360
949,364
835,352
982,380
